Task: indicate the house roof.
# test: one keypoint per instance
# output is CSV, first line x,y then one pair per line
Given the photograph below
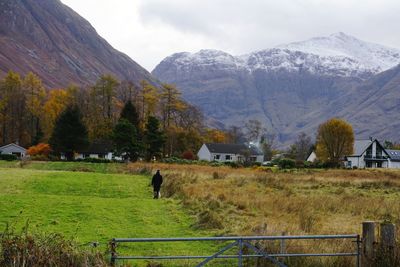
x,y
14,145
361,145
393,154
232,148
97,148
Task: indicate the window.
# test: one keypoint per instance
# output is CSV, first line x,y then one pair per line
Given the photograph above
x,y
216,157
228,157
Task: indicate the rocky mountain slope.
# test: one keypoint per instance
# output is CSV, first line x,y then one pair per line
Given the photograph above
x,y
50,39
283,87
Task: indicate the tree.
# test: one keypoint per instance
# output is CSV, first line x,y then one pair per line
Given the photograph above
x,y
130,113
301,148
56,103
267,145
69,133
335,139
125,139
12,110
254,130
35,98
154,139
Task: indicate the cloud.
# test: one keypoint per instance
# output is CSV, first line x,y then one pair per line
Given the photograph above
x,y
149,30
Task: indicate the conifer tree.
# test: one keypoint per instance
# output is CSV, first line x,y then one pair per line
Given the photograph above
x,y
154,138
125,140
69,133
130,113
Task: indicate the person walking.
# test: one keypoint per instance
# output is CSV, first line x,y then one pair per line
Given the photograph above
x,y
156,182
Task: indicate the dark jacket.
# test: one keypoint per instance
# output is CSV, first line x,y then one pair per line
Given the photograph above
x,y
157,180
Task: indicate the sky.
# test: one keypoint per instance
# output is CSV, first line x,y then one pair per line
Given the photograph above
x,y
150,30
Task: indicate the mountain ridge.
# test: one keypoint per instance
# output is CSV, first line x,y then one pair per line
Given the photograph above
x,y
53,41
282,88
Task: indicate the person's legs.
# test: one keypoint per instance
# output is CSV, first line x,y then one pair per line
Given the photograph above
x,y
156,192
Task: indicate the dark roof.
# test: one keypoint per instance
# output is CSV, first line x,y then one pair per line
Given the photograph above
x,y
97,148
393,154
232,148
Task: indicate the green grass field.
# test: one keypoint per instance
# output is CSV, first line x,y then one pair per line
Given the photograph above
x,y
94,206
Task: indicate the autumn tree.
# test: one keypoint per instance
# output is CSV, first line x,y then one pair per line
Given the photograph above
x,y
35,95
55,104
102,112
154,138
267,143
149,98
69,133
335,139
12,110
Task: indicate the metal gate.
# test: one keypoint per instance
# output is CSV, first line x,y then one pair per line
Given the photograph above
x,y
240,242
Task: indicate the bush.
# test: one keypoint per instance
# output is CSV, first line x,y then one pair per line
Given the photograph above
x,y
40,151
286,163
188,155
8,157
27,249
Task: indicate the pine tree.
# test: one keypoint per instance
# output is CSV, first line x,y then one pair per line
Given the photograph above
x,y
69,133
125,140
154,139
130,113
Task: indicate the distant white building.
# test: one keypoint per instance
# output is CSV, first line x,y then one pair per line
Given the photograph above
x,y
371,154
230,153
96,151
312,157
13,149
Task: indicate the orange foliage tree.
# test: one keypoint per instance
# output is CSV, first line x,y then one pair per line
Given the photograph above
x,y
40,149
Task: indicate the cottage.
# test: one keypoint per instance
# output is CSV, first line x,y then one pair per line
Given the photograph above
x,y
371,154
312,157
95,150
13,149
230,153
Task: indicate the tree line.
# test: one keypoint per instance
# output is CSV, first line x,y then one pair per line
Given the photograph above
x,y
108,110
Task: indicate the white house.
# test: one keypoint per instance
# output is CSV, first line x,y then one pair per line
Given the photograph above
x,y
371,154
95,150
312,157
13,149
230,153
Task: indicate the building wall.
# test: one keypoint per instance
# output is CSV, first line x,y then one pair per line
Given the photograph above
x,y
312,157
13,150
204,153
394,164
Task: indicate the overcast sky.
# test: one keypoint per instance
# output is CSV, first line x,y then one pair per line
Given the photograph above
x,y
150,30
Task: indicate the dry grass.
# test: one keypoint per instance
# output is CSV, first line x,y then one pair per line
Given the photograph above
x,y
253,201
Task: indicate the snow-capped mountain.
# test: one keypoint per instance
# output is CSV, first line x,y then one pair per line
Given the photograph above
x,y
337,55
368,55
282,86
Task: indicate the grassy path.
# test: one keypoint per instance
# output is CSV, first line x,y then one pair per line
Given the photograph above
x,y
89,206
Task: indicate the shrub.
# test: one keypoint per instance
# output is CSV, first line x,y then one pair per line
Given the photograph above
x,y
40,151
8,157
286,163
34,250
188,155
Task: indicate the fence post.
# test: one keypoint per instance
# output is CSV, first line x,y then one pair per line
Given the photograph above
x,y
388,235
368,241
283,244
388,240
113,247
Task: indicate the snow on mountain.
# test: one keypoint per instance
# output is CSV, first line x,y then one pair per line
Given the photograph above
x,y
371,56
336,55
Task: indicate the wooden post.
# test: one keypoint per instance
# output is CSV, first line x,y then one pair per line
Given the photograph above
x,y
368,241
388,235
388,241
113,247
